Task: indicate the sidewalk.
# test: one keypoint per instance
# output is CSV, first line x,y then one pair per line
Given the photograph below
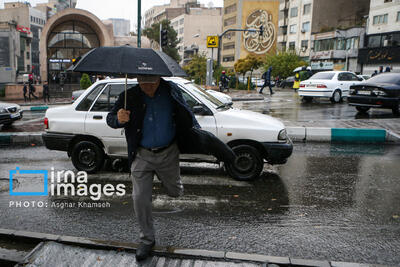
x,y
56,250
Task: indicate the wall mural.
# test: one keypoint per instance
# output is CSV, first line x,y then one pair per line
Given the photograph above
x,y
253,42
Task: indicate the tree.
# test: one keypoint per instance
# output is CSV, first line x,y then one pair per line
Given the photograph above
x,y
85,81
197,68
283,63
153,33
253,62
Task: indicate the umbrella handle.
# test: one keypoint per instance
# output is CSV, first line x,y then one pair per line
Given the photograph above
x,y
126,82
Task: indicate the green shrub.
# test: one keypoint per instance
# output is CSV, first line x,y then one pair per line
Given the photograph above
x,y
85,81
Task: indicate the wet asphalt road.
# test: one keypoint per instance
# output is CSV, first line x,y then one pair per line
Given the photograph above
x,y
334,202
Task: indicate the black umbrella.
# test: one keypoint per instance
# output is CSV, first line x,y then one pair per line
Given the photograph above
x,y
127,61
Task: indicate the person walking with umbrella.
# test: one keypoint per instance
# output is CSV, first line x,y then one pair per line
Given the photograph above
x,y
158,126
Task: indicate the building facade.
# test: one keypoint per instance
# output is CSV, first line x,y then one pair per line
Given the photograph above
x,y
301,21
121,27
193,27
29,23
248,14
382,43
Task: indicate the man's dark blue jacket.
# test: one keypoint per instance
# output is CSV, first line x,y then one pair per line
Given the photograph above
x,y
190,138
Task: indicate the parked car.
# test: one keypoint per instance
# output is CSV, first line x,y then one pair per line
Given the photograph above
x,y
380,91
288,82
257,81
331,84
81,129
364,76
9,113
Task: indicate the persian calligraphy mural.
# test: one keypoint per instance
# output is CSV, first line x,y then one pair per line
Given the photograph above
x,y
253,41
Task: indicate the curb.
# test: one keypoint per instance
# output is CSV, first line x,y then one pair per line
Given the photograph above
x,y
174,252
247,98
342,135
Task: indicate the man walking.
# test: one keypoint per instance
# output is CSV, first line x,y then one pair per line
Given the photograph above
x,y
267,81
25,90
32,91
46,93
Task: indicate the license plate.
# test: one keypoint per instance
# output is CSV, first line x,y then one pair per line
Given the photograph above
x,y
363,92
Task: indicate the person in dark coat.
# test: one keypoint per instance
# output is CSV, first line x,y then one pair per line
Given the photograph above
x,y
25,90
374,73
158,126
387,69
380,69
32,92
46,93
267,81
224,82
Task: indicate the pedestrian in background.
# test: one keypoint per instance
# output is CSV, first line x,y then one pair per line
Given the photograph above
x,y
267,81
25,90
380,69
30,78
46,93
387,69
374,73
224,82
32,92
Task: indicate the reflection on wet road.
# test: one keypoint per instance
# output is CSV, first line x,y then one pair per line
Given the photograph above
x,y
335,202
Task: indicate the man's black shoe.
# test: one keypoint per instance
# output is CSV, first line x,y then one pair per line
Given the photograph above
x,y
143,251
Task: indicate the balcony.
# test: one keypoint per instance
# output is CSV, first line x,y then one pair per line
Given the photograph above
x,y
282,38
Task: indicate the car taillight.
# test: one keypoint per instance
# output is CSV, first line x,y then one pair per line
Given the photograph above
x,y
46,123
321,86
302,85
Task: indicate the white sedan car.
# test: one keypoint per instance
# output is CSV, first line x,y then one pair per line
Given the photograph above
x,y
82,131
330,84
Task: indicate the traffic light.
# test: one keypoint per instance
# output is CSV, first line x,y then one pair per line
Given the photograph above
x,y
164,37
261,32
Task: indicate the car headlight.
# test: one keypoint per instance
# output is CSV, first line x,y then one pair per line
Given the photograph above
x,y
3,110
379,93
352,91
282,135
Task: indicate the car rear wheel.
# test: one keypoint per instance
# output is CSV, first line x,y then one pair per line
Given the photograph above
x,y
248,164
362,109
87,156
336,97
307,99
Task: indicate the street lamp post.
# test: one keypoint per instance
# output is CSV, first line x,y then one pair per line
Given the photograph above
x,y
139,22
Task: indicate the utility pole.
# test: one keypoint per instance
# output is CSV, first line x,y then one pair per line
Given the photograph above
x,y
139,23
160,36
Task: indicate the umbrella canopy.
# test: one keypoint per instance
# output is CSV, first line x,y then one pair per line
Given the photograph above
x,y
127,60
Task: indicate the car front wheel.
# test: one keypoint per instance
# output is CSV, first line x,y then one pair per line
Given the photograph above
x,y
336,97
87,156
362,109
248,164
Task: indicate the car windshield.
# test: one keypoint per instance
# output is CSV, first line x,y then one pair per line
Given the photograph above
x,y
322,76
213,100
393,78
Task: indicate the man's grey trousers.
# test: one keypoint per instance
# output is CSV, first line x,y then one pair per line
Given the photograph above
x,y
165,165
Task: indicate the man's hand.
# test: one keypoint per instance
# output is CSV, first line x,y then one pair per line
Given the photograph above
x,y
123,115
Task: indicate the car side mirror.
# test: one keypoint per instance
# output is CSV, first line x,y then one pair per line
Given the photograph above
x,y
360,79
199,110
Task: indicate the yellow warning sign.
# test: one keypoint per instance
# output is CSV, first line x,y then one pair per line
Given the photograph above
x,y
212,41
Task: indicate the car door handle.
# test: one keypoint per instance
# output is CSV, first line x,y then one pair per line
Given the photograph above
x,y
97,117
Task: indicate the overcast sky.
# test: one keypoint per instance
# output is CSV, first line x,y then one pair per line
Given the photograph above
x,y
126,9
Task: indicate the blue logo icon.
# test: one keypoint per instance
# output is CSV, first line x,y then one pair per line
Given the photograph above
x,y
18,171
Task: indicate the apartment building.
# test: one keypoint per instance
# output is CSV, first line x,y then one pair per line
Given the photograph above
x,y
193,28
382,43
301,19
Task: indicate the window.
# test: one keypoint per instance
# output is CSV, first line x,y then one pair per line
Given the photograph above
x,y
387,1
230,9
324,45
85,104
323,76
181,21
347,76
392,39
292,46
108,97
306,27
292,28
307,9
181,31
398,16
229,46
190,101
293,12
374,41
230,21
304,44
27,55
380,19
228,58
